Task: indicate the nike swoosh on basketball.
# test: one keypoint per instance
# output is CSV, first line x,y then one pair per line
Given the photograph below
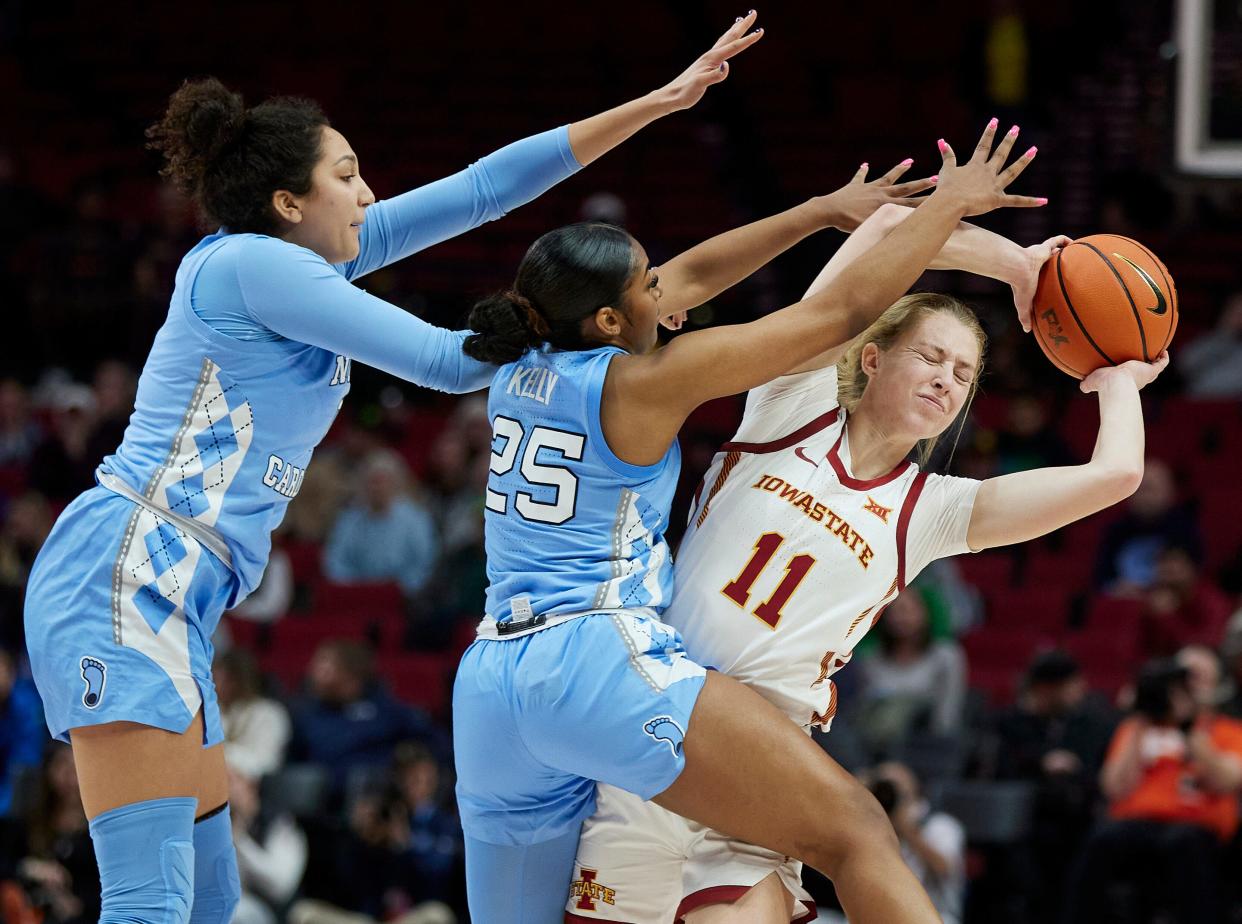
x,y
804,458
1161,305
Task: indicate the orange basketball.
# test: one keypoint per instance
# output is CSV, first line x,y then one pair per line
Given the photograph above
x,y
1103,300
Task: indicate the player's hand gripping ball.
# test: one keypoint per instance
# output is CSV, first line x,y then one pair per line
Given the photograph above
x,y
1101,301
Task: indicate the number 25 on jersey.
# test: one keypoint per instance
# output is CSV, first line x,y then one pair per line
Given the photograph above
x,y
514,440
738,589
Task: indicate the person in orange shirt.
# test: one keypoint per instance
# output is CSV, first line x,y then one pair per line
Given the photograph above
x,y
1171,778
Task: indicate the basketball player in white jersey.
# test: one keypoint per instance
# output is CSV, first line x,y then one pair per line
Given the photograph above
x,y
807,524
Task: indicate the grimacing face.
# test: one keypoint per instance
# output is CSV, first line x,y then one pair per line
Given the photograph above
x,y
331,215
918,386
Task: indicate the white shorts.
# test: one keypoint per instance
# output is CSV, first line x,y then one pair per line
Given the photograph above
x,y
640,864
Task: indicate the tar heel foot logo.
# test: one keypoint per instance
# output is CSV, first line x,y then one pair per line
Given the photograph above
x,y
95,673
1161,305
663,728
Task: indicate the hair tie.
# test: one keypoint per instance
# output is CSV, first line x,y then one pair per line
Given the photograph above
x,y
534,320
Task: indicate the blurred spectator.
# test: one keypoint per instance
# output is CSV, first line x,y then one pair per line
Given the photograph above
x,y
1153,521
1054,736
911,681
271,854
1171,777
19,434
347,721
1211,364
953,605
256,728
932,843
1182,607
62,466
434,845
28,524
1231,652
403,845
52,855
274,595
23,735
114,389
1027,440
386,535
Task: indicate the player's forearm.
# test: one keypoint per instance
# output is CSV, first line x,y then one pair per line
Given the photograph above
x,y
868,285
707,269
1119,447
984,253
592,138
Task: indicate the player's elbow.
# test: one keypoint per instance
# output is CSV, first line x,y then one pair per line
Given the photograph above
x,y
1124,480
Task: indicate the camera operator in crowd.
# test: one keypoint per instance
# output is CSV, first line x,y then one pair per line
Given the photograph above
x,y
933,843
1171,778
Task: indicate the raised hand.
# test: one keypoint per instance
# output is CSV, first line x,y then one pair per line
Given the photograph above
x,y
854,202
979,184
713,65
1139,372
1024,286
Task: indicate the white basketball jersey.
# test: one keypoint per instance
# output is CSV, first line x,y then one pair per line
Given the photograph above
x,y
789,560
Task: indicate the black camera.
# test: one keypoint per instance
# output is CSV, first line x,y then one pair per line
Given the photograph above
x,y
1153,689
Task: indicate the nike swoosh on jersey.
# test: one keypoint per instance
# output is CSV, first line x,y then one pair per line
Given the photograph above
x,y
1161,305
798,452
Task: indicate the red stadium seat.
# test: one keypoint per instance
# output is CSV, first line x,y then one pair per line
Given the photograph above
x,y
422,679
376,599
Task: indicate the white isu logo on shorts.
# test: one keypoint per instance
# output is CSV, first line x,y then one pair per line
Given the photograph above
x,y
95,673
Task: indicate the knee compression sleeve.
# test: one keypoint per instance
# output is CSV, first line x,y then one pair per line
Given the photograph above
x,y
520,884
145,852
217,888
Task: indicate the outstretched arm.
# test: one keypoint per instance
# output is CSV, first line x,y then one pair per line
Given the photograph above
x,y
704,271
969,248
726,360
522,171
1024,505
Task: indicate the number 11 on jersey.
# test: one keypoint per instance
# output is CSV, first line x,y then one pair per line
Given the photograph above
x,y
738,590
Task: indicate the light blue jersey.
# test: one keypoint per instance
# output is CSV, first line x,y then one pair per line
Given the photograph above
x,y
243,380
225,423
570,528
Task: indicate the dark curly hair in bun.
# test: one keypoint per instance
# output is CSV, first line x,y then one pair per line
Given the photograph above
x,y
230,159
565,277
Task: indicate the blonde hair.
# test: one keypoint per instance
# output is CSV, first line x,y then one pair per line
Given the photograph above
x,y
886,330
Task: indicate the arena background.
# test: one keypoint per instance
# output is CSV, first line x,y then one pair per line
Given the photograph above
x,y
90,240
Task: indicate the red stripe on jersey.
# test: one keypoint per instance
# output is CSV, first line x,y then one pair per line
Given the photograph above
x,y
834,457
727,466
729,894
819,423
903,525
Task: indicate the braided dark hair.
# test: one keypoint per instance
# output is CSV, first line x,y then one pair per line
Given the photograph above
x,y
230,159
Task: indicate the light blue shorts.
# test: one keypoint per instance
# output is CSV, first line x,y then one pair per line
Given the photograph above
x,y
538,719
120,609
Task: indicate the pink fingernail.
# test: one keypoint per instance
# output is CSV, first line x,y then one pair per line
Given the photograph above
x,y
993,123
1042,201
941,144
934,179
907,162
1014,130
1031,152
863,165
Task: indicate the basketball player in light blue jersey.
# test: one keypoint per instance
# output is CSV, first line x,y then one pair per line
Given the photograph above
x,y
242,382
573,678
